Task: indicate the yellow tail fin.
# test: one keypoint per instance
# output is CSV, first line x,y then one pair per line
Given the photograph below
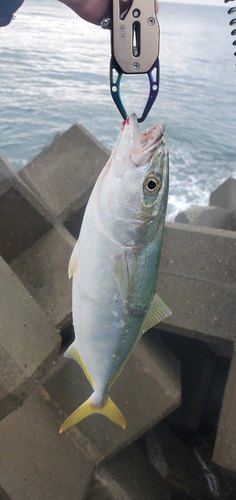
x,y
109,409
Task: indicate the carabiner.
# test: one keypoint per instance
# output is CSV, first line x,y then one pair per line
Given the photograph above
x,y
153,75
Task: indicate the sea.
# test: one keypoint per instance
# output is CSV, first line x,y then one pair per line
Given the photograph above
x,y
54,72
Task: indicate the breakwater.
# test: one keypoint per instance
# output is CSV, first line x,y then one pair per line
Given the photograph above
x,y
176,391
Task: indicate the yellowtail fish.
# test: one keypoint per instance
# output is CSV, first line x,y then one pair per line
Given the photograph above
x,y
115,263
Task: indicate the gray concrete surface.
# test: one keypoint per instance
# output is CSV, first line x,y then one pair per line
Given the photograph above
x,y
233,220
204,375
182,463
185,462
197,280
29,342
10,487
216,217
220,213
46,465
129,476
225,445
146,391
224,195
20,224
42,464
43,269
22,218
63,174
5,176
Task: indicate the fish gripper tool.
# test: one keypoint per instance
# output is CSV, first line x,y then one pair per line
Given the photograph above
x,y
135,38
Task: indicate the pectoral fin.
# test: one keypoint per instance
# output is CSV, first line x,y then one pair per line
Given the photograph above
x,y
73,263
121,274
72,353
157,311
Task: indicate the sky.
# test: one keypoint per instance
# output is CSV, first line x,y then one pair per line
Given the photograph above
x,y
220,3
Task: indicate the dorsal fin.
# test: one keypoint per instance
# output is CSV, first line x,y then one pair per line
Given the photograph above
x,y
157,311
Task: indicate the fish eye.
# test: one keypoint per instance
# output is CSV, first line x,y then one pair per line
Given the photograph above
x,y
152,184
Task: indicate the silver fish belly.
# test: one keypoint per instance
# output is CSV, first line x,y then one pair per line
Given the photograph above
x,y
115,263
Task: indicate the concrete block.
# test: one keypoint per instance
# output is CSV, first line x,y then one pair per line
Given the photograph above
x,y
5,176
225,445
74,221
22,219
20,224
233,220
29,342
48,465
130,476
179,495
98,492
43,269
225,351
190,216
197,280
196,375
216,217
199,309
10,487
205,254
183,463
146,391
225,195
204,376
63,174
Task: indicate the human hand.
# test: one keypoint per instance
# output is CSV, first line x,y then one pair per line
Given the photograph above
x,y
95,10
7,9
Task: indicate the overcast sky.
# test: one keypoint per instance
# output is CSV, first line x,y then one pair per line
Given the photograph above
x,y
220,3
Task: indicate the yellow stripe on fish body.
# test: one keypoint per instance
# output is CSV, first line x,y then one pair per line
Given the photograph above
x,y
115,263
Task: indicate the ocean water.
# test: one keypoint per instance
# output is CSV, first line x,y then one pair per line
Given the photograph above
x,y
54,71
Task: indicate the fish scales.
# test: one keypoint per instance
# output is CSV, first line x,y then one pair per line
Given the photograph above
x,y
115,263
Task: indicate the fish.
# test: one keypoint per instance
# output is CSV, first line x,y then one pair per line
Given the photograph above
x,y
115,263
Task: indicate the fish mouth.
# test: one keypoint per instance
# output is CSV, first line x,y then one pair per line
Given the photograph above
x,y
146,142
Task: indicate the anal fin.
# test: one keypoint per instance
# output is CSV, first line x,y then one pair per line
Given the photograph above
x,y
72,353
73,263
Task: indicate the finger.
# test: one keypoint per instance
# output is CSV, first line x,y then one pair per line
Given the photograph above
x,y
94,11
125,4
